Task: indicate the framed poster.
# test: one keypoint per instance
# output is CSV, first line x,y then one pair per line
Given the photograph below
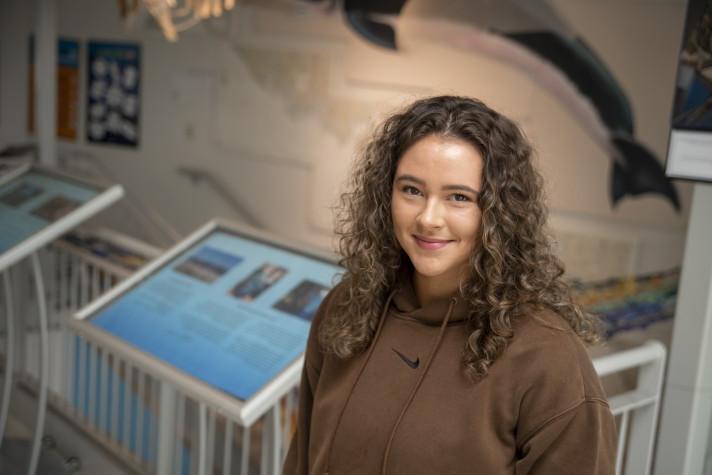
x,y
67,88
224,316
113,93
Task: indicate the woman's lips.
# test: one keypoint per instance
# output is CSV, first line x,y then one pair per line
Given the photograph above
x,y
431,244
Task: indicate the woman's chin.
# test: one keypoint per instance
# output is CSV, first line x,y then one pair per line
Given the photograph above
x,y
429,272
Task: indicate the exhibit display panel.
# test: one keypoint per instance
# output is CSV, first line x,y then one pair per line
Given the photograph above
x,y
38,205
227,312
691,134
10,170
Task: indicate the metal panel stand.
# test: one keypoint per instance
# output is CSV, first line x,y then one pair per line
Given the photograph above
x,y
271,447
20,447
44,364
9,352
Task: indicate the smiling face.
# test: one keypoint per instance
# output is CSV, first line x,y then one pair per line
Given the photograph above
x,y
435,212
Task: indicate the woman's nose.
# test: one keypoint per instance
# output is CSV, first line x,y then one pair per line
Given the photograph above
x,y
431,216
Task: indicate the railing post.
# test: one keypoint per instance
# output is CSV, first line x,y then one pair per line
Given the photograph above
x,y
271,460
639,456
166,428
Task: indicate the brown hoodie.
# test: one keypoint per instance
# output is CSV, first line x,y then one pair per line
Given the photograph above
x,y
407,406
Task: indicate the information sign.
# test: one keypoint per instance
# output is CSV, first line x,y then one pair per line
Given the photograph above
x,y
39,205
228,309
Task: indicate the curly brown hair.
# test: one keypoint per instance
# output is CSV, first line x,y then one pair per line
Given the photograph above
x,y
513,270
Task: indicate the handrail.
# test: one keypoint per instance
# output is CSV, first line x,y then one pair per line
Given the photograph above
x,y
160,231
196,175
648,352
636,441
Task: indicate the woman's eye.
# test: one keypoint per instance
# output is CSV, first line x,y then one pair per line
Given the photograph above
x,y
459,197
411,190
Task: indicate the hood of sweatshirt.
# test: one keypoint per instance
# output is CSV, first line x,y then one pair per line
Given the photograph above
x,y
405,303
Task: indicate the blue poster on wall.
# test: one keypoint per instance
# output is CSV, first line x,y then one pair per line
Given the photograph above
x,y
113,95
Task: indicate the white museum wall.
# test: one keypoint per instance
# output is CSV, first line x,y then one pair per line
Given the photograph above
x,y
273,100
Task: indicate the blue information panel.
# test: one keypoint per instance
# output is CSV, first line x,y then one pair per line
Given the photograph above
x,y
231,311
33,201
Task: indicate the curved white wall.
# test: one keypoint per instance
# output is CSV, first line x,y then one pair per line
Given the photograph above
x,y
273,100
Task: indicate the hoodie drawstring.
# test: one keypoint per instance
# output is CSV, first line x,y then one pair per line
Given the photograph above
x,y
358,376
430,359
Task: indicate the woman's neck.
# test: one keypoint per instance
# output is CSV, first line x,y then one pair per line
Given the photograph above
x,y
427,289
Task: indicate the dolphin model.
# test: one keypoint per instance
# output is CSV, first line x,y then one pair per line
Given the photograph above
x,y
531,36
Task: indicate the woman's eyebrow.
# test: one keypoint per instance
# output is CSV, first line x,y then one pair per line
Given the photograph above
x,y
410,178
461,188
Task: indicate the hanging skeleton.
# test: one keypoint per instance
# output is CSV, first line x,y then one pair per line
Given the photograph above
x,y
175,16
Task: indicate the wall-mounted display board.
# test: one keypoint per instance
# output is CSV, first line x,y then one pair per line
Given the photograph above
x,y
224,316
37,205
690,142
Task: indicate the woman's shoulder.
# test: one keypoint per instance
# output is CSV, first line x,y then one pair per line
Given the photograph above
x,y
544,329
551,374
544,349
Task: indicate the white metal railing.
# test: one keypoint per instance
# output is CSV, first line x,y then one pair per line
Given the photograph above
x,y
122,407
117,403
641,404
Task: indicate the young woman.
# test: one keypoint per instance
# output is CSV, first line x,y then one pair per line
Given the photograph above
x,y
451,345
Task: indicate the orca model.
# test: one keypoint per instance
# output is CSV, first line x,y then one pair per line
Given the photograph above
x,y
530,35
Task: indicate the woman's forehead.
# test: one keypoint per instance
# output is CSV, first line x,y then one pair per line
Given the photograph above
x,y
442,159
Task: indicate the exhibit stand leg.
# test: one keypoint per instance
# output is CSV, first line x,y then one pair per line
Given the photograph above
x,y
227,448
203,438
276,442
44,364
687,405
9,352
166,429
245,462
271,436
264,452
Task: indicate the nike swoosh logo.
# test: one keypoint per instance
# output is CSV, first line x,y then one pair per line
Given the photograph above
x,y
408,361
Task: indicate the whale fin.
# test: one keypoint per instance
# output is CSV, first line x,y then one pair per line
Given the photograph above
x,y
587,73
378,33
361,15
639,173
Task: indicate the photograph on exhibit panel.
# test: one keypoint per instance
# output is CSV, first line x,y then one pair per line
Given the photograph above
x,y
257,282
208,264
20,194
303,300
56,208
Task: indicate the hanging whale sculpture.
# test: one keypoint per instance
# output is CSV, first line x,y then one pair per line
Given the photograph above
x,y
530,35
